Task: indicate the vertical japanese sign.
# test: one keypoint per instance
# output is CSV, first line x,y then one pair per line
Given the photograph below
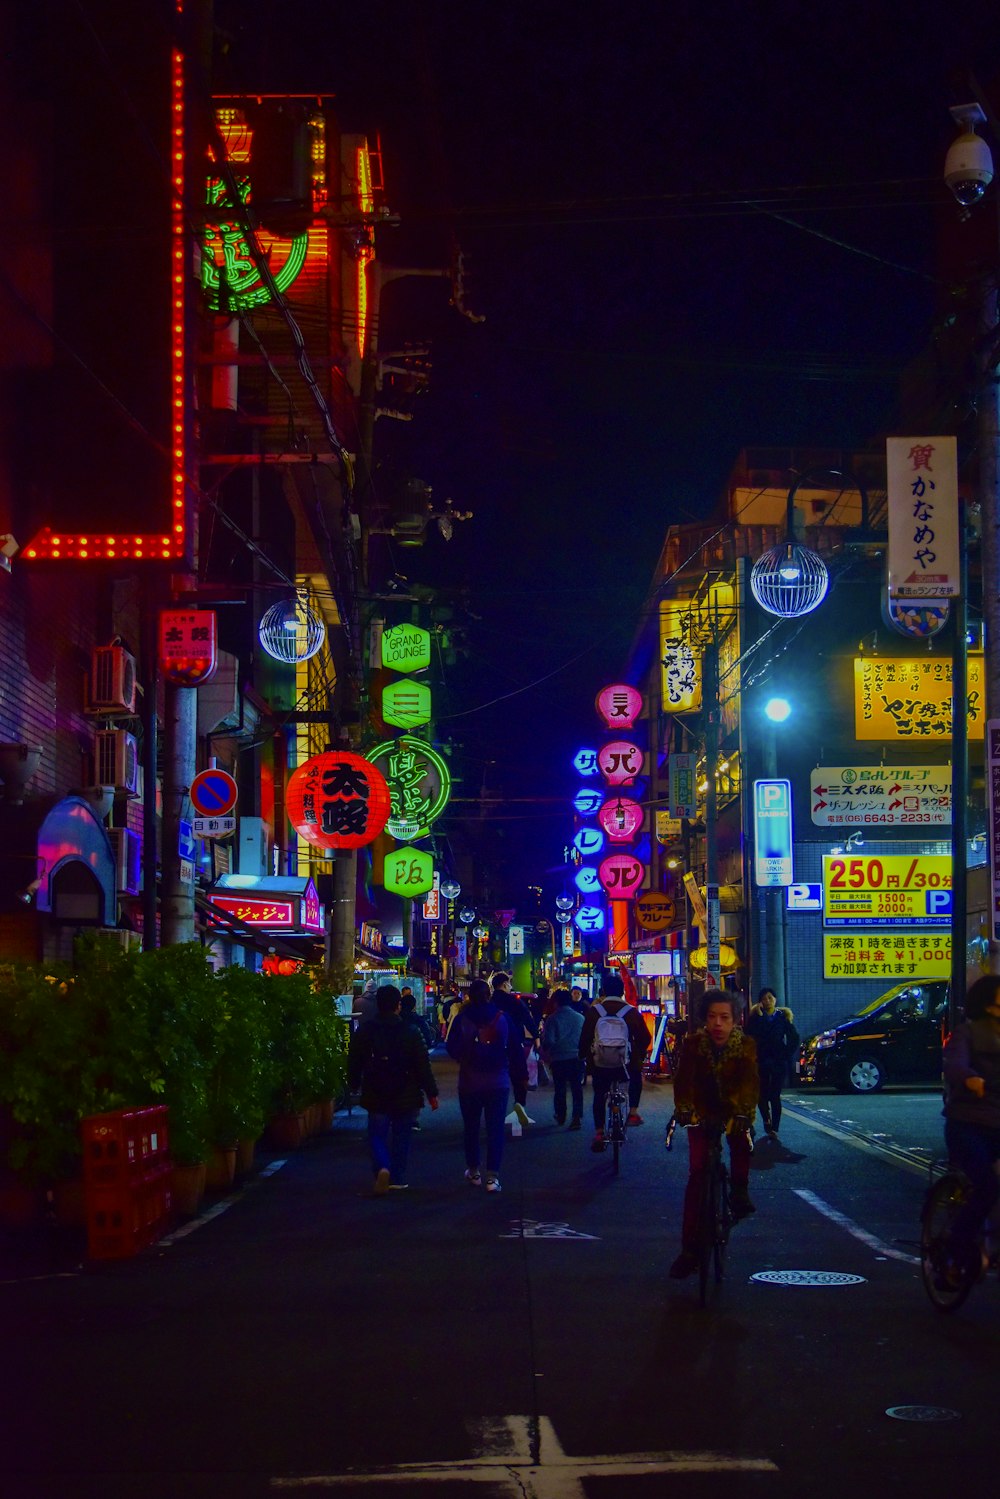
x,y
993,819
681,795
712,960
922,484
680,678
772,832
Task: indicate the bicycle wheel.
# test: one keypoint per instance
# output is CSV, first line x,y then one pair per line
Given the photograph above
x,y
707,1241
723,1222
946,1282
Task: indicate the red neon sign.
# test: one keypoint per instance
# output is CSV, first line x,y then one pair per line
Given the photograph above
x,y
256,911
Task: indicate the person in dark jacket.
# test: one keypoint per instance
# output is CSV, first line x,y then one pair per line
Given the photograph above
x,y
972,1108
387,1064
561,1051
523,1022
612,1001
409,1016
490,1057
772,1032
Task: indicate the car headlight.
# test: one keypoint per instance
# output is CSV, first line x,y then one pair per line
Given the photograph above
x,y
825,1040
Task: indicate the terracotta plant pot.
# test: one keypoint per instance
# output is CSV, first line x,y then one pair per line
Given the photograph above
x,y
326,1116
220,1169
188,1189
244,1157
286,1131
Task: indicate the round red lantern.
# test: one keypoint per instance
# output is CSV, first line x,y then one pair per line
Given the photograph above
x,y
621,875
338,800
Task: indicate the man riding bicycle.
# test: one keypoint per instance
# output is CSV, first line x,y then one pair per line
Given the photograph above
x,y
716,1084
635,1044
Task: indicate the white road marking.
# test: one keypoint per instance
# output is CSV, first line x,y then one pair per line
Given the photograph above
x,y
530,1228
217,1208
853,1228
524,1457
895,1153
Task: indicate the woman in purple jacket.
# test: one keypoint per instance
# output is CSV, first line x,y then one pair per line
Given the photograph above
x,y
490,1061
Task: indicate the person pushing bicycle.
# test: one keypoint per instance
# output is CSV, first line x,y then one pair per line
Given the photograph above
x,y
716,1086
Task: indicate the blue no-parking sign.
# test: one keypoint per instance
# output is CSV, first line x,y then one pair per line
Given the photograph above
x,y
772,832
213,793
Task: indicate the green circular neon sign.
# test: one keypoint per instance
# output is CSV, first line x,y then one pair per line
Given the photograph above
x,y
419,780
226,241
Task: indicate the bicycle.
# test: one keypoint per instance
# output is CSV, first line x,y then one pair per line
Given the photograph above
x,y
715,1214
948,1278
616,1117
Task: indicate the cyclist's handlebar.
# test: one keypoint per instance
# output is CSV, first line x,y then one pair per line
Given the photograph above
x,y
740,1123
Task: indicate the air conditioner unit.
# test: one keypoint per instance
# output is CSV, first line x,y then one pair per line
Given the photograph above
x,y
130,941
116,760
112,679
128,860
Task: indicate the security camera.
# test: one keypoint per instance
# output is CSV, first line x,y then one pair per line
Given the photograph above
x,y
968,166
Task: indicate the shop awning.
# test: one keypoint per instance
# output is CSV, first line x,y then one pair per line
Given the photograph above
x,y
306,947
283,905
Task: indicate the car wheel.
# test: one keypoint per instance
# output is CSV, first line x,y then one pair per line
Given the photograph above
x,y
864,1075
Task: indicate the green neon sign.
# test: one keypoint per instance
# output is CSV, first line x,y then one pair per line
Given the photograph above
x,y
419,780
406,648
406,703
226,243
408,871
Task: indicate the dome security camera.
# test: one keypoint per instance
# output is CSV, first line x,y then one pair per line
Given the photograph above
x,y
968,166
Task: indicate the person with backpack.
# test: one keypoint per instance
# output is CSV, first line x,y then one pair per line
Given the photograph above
x,y
522,1021
615,1040
408,1013
490,1057
561,1051
387,1064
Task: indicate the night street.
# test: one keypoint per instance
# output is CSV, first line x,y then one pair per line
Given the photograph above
x,y
310,1338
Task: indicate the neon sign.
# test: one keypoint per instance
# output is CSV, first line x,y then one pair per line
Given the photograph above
x,y
256,912
230,278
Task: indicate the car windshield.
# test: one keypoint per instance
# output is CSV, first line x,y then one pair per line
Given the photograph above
x,y
908,999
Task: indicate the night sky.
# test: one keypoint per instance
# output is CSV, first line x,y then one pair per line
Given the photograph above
x,y
691,228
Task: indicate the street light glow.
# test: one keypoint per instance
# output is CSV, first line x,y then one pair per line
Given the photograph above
x,y
777,709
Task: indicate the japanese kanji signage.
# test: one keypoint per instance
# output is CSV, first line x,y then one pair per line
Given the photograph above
x,y
680,660
619,705
337,800
895,956
887,890
993,818
419,784
188,652
432,901
910,697
861,795
408,872
922,484
256,911
654,911
681,785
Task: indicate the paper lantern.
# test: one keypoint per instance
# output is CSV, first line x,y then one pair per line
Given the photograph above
x,y
337,800
620,762
621,818
621,875
619,705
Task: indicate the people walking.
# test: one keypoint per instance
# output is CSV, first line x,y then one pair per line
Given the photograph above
x,y
560,1048
523,1023
488,1049
972,1111
715,1085
409,1016
604,1068
387,1064
776,1039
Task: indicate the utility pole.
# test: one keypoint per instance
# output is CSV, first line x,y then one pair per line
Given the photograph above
x,y
711,699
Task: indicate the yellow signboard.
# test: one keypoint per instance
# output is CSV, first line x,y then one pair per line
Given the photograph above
x,y
893,956
910,697
887,890
655,911
667,828
680,658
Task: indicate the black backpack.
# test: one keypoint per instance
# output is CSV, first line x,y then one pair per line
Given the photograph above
x,y
387,1071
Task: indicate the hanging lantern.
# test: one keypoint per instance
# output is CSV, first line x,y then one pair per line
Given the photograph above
x,y
789,580
621,818
451,889
619,705
565,902
620,762
621,875
480,933
563,917
291,631
337,800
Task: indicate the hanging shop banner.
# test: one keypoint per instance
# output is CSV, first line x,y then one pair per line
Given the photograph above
x,y
860,795
696,898
431,910
406,648
337,800
668,829
680,659
891,956
406,703
682,786
619,705
922,501
419,784
188,649
772,829
568,941
993,818
887,890
910,697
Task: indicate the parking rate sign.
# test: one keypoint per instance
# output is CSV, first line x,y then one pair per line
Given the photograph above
x,y
772,832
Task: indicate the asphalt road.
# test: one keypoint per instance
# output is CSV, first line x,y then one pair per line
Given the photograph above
x,y
310,1339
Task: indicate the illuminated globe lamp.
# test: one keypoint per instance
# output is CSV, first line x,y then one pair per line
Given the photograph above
x,y
565,902
789,580
466,914
621,819
291,631
480,933
564,917
450,889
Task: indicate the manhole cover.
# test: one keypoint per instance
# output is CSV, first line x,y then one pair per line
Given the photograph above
x,y
921,1413
808,1278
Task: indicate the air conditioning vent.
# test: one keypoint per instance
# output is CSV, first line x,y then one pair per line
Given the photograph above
x,y
112,679
116,760
128,860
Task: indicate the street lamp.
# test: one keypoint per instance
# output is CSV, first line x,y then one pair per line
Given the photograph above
x,y
777,709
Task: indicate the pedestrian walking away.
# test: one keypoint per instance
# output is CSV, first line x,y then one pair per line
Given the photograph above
x,y
490,1057
776,1039
522,1021
716,1085
560,1047
604,1068
387,1063
972,1111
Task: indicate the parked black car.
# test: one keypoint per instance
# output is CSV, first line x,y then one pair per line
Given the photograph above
x,y
895,1039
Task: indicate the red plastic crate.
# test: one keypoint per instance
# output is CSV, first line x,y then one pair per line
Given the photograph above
x,y
123,1219
125,1145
